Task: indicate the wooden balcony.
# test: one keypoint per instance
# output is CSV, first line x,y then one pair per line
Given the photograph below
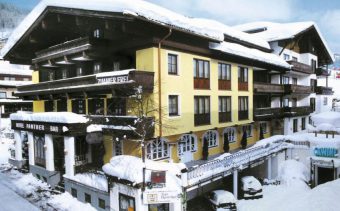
x,y
224,84
297,89
321,72
224,117
201,83
243,115
263,114
268,88
102,83
301,67
297,111
202,119
322,90
243,86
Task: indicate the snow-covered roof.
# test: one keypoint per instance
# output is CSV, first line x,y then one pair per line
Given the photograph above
x,y
14,83
203,27
330,118
12,69
14,100
55,117
250,53
270,31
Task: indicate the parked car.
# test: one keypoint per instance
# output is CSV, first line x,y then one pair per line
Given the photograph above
x,y
222,200
251,188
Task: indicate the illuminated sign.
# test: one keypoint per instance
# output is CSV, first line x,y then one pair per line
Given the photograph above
x,y
326,152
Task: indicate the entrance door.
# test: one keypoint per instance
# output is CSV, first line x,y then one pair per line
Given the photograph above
x,y
186,147
325,175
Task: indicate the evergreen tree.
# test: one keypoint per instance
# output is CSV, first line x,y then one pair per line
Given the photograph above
x,y
244,140
226,143
205,152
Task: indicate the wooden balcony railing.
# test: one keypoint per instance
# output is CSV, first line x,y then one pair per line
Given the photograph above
x,y
297,89
201,83
322,90
268,88
224,117
243,86
297,111
202,119
263,114
243,115
321,72
224,84
300,67
80,160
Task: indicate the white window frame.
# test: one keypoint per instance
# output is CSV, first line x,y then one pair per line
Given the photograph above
x,y
190,144
232,134
156,146
178,62
212,136
247,128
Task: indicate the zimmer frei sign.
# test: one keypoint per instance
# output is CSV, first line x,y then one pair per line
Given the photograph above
x,y
113,79
326,152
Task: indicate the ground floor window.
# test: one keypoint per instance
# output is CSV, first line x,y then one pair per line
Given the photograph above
x,y
249,130
230,133
212,137
157,149
295,125
159,207
126,203
263,126
303,123
101,203
187,143
74,192
39,151
88,198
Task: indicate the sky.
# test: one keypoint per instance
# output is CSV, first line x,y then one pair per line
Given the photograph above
x,y
326,13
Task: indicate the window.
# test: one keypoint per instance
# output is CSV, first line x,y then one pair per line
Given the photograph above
x,y
224,71
78,106
51,76
202,110
313,64
116,66
312,103
64,73
231,133
201,68
88,198
212,137
80,145
285,80
39,150
26,79
2,94
96,106
285,102
126,203
118,147
157,149
187,143
159,207
224,109
242,74
286,57
9,78
303,123
295,125
249,130
172,64
74,192
263,126
173,105
242,108
295,59
325,100
97,33
116,106
79,71
49,106
97,68
62,105
294,102
294,81
101,203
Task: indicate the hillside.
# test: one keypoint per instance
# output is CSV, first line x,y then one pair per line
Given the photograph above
x,y
10,17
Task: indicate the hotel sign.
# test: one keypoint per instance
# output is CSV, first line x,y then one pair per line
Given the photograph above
x,y
113,79
325,152
158,197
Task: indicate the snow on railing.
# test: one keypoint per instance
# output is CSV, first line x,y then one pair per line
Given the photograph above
x,y
299,144
198,174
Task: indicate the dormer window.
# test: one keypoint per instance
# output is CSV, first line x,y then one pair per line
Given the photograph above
x,y
97,68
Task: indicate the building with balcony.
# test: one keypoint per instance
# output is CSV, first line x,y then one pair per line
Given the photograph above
x,y
287,98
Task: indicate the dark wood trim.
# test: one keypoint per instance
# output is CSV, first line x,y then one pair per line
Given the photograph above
x,y
202,119
224,84
201,83
243,86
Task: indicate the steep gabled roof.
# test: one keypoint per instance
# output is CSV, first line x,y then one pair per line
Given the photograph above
x,y
141,9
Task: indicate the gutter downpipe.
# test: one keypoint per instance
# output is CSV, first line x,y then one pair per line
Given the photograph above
x,y
159,82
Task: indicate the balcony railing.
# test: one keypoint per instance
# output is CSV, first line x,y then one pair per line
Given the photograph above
x,y
322,90
263,114
297,89
243,115
243,86
297,111
224,117
201,83
202,119
322,72
80,160
300,67
268,88
224,84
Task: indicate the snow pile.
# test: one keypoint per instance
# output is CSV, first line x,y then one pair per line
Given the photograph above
x,y
65,202
240,50
325,127
92,180
28,184
270,140
5,124
94,128
332,118
4,151
56,117
131,168
291,171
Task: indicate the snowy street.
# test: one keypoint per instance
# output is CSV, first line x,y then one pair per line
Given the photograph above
x,y
10,200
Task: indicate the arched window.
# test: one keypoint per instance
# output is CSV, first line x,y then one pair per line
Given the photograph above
x,y
212,138
157,149
231,134
187,143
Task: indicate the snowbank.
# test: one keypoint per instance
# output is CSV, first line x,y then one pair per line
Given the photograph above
x,y
56,117
4,151
92,180
291,170
331,118
27,184
65,202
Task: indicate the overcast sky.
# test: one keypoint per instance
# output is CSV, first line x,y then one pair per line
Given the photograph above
x,y
326,13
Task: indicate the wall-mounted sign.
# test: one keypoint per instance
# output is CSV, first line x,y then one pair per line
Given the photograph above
x,y
158,179
158,197
113,79
326,152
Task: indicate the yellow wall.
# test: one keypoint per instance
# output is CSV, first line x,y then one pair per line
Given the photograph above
x,y
38,105
108,148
